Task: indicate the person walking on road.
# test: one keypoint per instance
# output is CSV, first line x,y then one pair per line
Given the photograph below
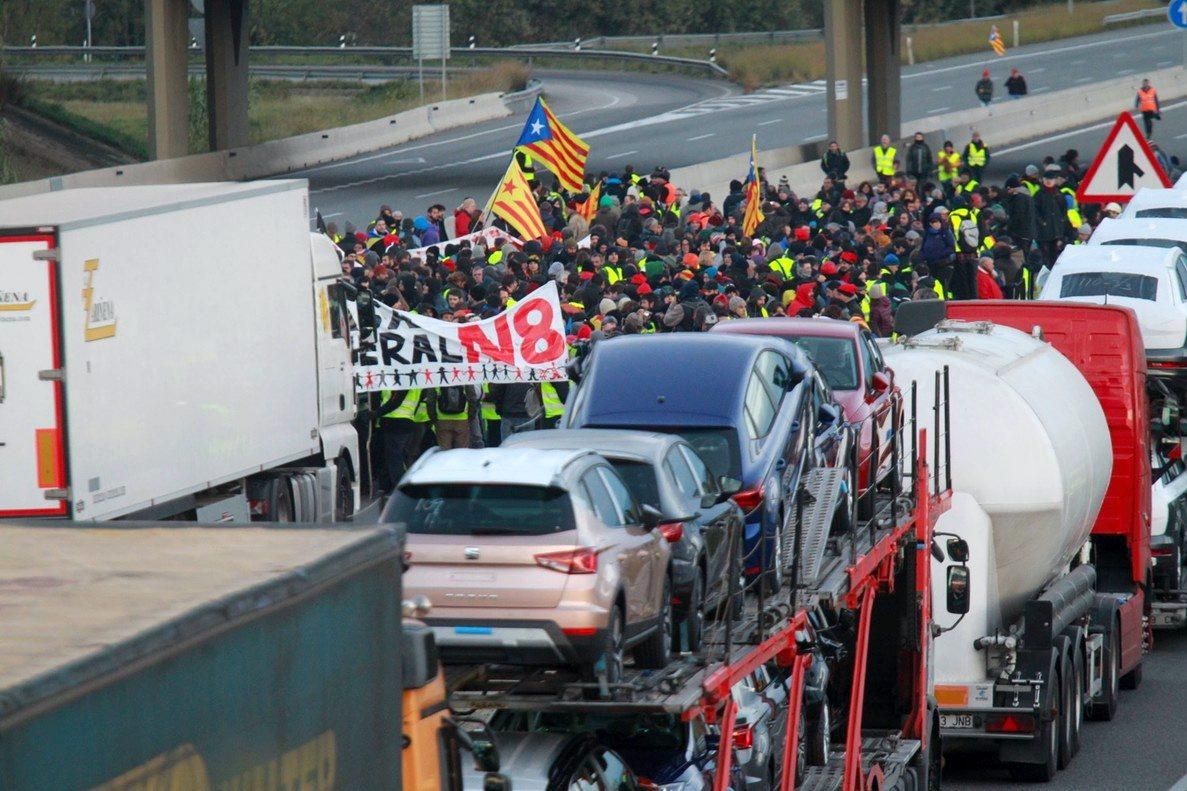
x,y
985,88
1016,84
919,161
1146,103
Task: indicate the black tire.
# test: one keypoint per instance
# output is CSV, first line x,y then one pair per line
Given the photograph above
x,y
692,621
818,736
1049,740
1079,674
656,649
343,492
801,748
1132,679
282,503
869,501
610,654
1105,708
1067,711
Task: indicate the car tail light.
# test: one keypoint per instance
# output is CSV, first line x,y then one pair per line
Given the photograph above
x,y
743,737
1162,551
1010,723
748,499
583,560
1172,365
580,631
672,531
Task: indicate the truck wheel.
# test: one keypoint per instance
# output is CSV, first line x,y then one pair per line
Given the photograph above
x,y
282,500
1078,678
818,735
1105,708
1068,711
343,493
1132,679
1049,740
656,650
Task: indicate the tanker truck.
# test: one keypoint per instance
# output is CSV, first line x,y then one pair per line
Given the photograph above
x,y
1049,525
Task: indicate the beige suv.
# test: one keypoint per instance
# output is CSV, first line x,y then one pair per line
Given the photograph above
x,y
537,557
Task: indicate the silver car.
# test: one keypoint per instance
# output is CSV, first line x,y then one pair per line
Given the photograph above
x,y
554,762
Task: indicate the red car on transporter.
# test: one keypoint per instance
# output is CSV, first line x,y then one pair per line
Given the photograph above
x,y
849,360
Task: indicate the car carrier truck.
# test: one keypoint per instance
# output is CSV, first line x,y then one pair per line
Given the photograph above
x,y
174,351
1051,442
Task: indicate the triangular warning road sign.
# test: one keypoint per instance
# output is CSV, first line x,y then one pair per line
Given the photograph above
x,y
1123,166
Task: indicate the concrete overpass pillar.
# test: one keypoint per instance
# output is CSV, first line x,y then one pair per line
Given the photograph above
x,y
226,73
883,34
167,34
843,68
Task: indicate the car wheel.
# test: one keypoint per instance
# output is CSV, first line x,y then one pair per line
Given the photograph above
x,y
607,662
692,623
656,650
869,501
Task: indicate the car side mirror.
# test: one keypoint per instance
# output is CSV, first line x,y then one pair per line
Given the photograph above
x,y
958,589
729,485
650,516
881,382
958,550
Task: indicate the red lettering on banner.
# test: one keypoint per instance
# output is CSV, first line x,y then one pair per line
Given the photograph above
x,y
477,344
536,330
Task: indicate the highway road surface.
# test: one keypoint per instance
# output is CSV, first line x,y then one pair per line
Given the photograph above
x,y
648,120
1143,748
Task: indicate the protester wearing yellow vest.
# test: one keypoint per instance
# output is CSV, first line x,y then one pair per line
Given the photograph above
x,y
449,410
947,165
884,155
553,402
976,156
403,417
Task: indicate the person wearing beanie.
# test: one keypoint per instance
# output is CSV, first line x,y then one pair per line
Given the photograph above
x,y
984,88
737,308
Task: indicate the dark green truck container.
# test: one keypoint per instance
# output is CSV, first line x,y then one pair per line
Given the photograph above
x,y
193,658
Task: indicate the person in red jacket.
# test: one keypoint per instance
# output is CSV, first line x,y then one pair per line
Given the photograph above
x,y
987,285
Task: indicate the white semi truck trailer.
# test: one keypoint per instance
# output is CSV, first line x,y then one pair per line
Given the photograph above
x,y
174,351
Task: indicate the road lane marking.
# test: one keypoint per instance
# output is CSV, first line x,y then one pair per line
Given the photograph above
x,y
438,192
1082,79
702,137
941,88
814,138
1073,133
1180,137
1039,70
768,123
935,110
623,154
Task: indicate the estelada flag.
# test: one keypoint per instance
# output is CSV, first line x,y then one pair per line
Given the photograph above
x,y
752,215
514,202
589,207
550,141
995,41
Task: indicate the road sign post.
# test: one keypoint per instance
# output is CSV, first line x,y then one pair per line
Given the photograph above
x,y
430,39
1124,165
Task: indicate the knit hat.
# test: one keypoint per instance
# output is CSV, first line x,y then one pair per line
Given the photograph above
x,y
891,260
606,305
828,269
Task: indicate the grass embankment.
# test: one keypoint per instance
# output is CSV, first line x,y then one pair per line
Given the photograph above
x,y
770,64
116,111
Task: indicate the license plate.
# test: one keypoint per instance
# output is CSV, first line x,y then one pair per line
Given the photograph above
x,y
956,721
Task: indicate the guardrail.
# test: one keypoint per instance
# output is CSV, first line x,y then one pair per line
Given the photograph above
x,y
389,52
1145,13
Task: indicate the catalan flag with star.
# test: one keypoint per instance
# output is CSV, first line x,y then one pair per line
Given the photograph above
x,y
589,207
514,202
752,215
551,142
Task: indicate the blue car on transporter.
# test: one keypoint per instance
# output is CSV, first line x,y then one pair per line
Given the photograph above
x,y
753,407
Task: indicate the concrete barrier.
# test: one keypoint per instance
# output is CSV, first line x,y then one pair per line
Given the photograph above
x,y
294,153
1001,124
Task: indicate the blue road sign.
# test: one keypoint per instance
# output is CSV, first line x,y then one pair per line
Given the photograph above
x,y
1177,13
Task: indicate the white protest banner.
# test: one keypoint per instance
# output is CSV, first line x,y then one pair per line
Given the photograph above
x,y
525,343
486,235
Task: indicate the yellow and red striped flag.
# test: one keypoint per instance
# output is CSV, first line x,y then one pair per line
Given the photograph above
x,y
589,207
514,202
995,41
550,141
752,215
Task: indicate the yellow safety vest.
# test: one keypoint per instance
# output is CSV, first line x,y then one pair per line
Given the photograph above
x,y
613,274
489,410
957,216
410,409
1032,188
553,406
884,160
976,157
1073,212
783,265
968,186
451,415
949,165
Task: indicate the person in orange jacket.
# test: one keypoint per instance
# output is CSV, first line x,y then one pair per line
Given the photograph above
x,y
1146,102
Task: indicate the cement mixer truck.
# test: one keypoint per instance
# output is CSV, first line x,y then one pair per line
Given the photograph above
x,y
1049,526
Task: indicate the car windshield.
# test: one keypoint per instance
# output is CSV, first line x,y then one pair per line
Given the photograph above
x,y
835,358
1165,213
1113,284
639,478
462,509
1148,243
717,447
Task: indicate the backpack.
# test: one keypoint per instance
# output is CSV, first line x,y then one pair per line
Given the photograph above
x,y
451,400
968,236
